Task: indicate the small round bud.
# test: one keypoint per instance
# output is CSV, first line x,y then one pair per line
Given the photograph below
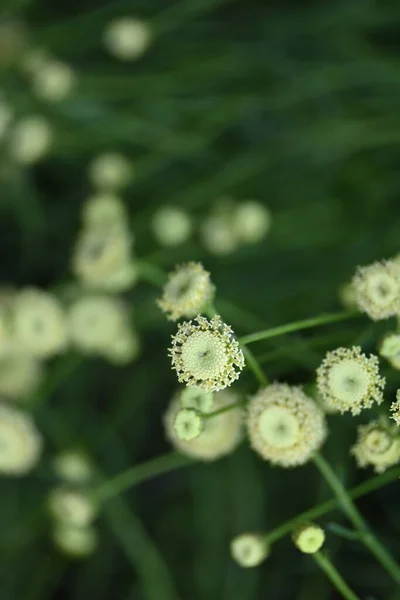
x,y
251,222
127,38
75,541
205,354
221,434
390,346
349,380
73,466
378,445
40,324
171,226
110,172
249,549
30,139
53,81
103,210
377,288
71,507
187,291
20,442
309,538
188,424
285,426
95,322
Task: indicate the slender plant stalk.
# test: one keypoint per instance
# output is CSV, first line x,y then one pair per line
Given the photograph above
x,y
335,577
254,366
297,325
370,541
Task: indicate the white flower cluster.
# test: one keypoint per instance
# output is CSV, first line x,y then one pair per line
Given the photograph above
x,y
230,225
71,507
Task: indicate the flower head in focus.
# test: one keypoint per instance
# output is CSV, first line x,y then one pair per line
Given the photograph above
x,y
309,538
378,445
285,426
377,288
187,291
205,354
349,380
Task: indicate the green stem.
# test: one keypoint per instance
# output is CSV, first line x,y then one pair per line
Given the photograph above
x,y
131,477
370,541
297,325
333,574
254,366
224,409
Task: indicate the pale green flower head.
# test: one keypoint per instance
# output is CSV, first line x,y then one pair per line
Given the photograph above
x,y
110,171
349,380
188,424
377,288
194,397
127,38
251,221
54,81
284,425
249,549
30,139
390,345
71,507
20,442
309,538
187,292
205,354
377,446
77,542
171,226
395,409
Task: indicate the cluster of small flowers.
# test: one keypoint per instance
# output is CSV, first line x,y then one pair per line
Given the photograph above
x,y
71,507
230,225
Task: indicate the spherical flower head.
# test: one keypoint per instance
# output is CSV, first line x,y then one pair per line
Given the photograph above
x,y
221,434
53,81
349,380
77,542
103,210
194,397
171,226
377,288
20,442
378,446
20,374
40,324
187,291
30,139
127,38
71,507
285,426
188,424
110,172
395,409
123,349
249,549
390,345
251,221
101,253
95,322
73,466
218,234
205,354
309,538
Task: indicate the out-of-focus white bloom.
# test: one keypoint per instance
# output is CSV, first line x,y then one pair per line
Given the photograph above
x,y
71,507
6,115
347,296
111,171
103,210
75,541
194,397
20,441
124,349
96,322
53,81
171,226
249,549
127,38
378,445
39,322
103,254
221,433
251,222
218,234
20,374
73,466
30,139
120,281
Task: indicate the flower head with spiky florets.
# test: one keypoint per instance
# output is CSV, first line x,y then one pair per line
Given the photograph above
x,y
349,380
377,288
205,354
378,445
285,426
395,409
187,291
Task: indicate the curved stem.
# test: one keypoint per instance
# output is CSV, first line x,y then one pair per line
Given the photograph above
x,y
254,366
373,544
138,473
335,577
297,325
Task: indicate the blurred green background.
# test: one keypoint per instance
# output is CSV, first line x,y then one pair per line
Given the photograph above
x,y
295,104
